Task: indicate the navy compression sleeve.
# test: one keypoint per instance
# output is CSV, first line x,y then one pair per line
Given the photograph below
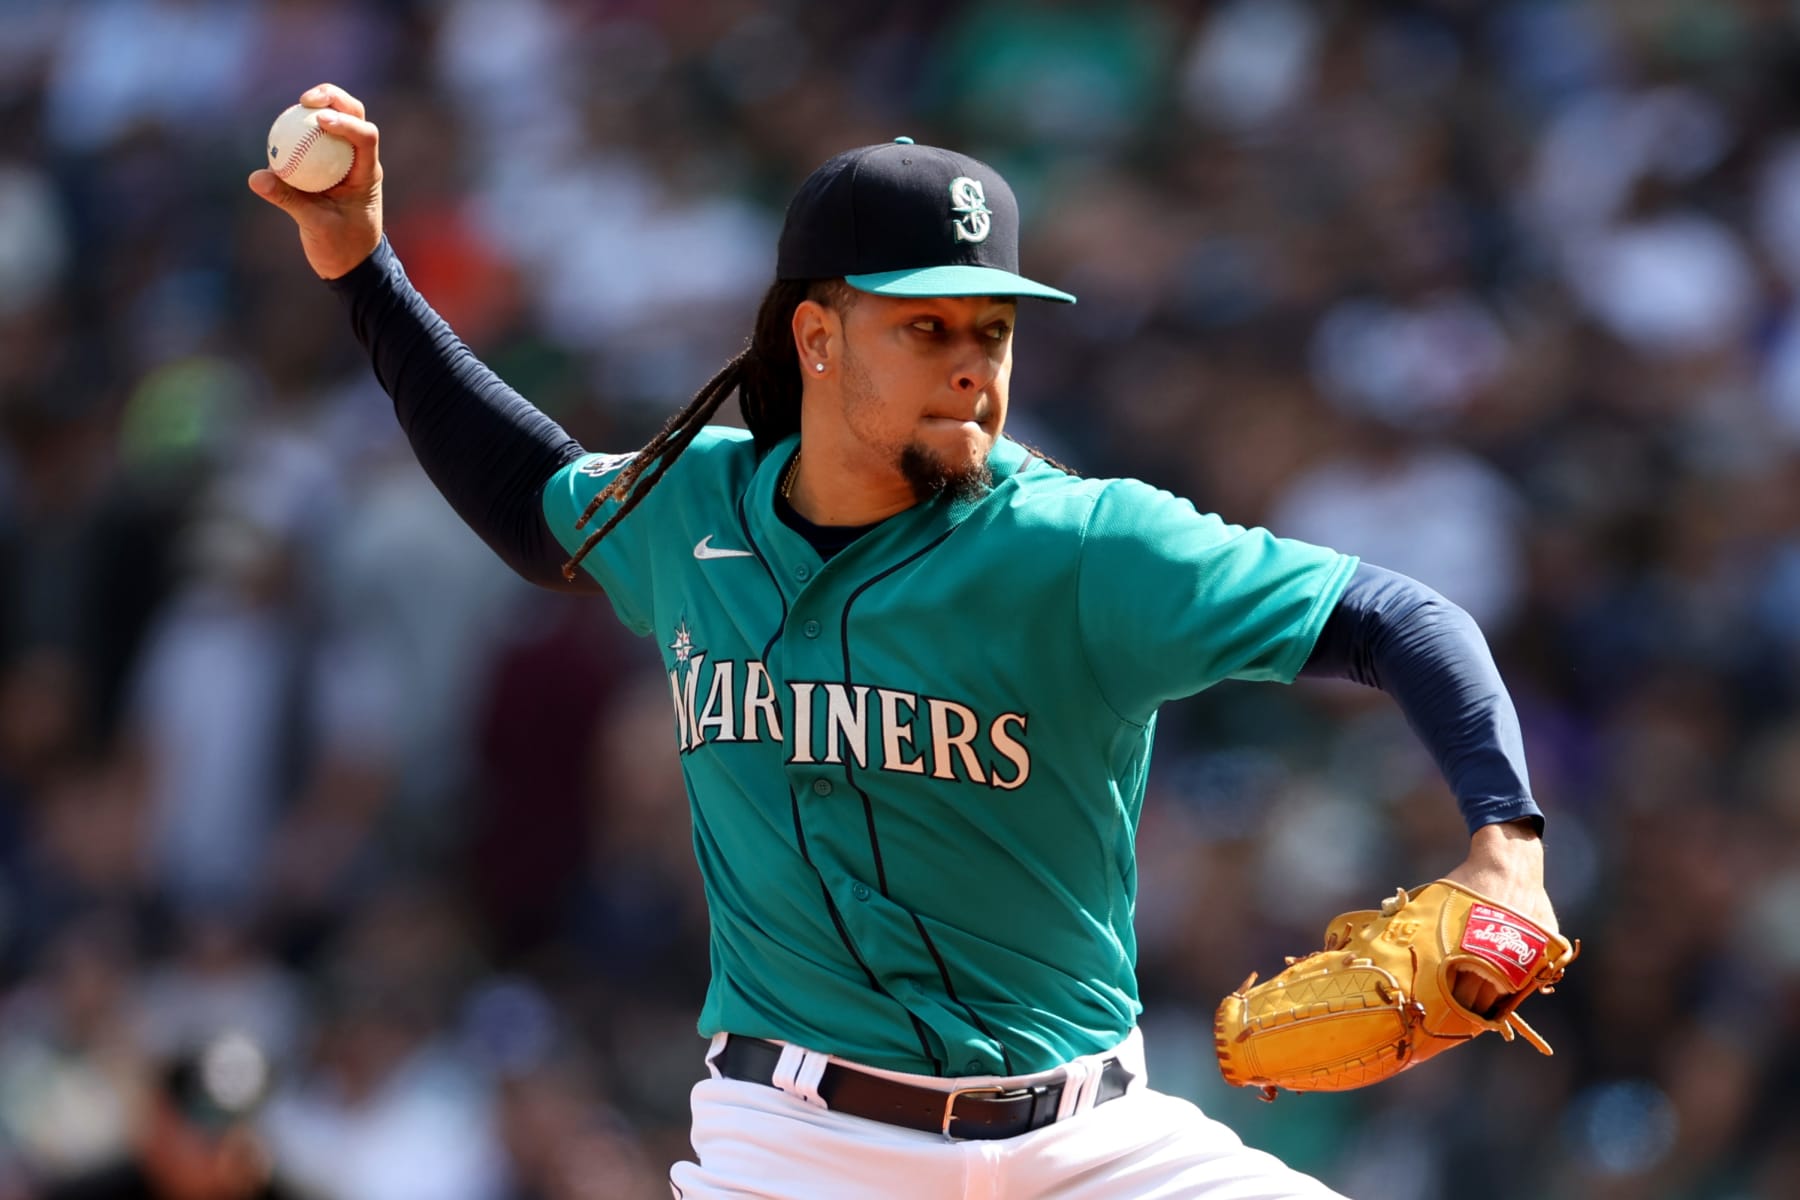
x,y
1394,633
484,446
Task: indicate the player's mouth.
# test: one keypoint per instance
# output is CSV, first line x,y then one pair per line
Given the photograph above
x,y
976,420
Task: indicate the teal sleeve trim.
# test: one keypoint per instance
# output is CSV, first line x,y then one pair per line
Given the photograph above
x,y
1307,636
563,498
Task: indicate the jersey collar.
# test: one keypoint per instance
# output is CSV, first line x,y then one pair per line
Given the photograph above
x,y
903,534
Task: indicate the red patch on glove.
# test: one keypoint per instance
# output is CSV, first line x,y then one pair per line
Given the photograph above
x,y
1505,939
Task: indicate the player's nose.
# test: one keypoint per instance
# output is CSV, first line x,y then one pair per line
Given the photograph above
x,y
973,373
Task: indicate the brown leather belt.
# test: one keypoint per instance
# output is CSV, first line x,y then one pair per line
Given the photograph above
x,y
977,1113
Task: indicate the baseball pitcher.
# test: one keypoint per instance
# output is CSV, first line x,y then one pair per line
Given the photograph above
x,y
913,673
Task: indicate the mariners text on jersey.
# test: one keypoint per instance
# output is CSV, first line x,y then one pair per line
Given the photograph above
x,y
833,722
962,704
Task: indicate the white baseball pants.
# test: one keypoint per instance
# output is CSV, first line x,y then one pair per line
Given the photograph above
x,y
781,1144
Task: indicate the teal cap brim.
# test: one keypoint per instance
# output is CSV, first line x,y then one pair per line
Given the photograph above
x,y
954,281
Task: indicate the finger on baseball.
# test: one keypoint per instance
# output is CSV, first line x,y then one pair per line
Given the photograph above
x,y
330,95
362,135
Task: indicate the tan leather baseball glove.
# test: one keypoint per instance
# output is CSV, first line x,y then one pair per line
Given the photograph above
x,y
1377,999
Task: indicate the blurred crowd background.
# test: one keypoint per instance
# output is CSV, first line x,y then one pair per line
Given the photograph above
x,y
326,844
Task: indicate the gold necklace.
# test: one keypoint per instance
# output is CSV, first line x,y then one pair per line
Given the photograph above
x,y
787,481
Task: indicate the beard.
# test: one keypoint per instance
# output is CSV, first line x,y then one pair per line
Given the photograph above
x,y
924,469
930,476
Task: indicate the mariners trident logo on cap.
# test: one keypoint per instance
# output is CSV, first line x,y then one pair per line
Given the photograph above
x,y
967,197
877,218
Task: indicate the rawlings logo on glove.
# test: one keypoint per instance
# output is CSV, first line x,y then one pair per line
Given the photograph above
x,y
1509,942
1378,998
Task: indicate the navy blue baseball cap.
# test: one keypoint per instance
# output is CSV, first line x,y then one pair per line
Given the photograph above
x,y
898,219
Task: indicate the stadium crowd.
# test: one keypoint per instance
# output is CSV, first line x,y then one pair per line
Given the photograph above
x,y
327,845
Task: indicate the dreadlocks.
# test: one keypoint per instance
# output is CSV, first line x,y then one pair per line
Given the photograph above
x,y
766,377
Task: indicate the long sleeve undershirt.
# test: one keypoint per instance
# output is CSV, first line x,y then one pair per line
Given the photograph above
x,y
490,453
1392,632
484,446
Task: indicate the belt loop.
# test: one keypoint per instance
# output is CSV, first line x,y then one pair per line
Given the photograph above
x,y
1090,1085
713,1051
798,1071
1081,1082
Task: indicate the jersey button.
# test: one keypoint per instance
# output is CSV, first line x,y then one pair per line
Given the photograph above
x,y
974,1067
860,891
803,572
810,629
821,787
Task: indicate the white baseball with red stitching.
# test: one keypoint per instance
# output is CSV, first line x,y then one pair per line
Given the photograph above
x,y
304,156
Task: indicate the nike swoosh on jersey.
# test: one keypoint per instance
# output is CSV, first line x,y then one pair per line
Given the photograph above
x,y
703,549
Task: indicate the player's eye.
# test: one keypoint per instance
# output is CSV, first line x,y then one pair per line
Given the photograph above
x,y
999,331
928,325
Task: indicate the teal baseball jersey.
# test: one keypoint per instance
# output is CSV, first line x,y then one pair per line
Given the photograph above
x,y
915,770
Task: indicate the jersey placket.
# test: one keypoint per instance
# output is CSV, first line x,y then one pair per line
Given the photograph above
x,y
816,659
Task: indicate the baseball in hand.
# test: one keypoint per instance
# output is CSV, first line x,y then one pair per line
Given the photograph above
x,y
304,156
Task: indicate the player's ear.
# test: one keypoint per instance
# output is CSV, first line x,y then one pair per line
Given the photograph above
x,y
815,333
